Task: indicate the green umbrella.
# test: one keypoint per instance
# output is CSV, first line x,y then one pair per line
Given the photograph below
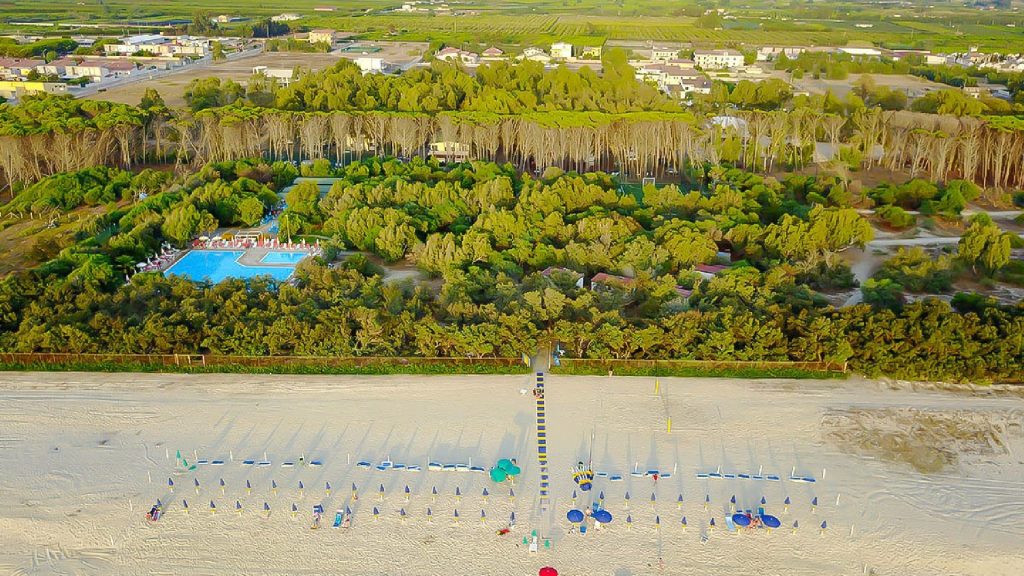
x,y
504,464
498,475
513,470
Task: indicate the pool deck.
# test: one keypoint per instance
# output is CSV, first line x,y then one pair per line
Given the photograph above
x,y
253,257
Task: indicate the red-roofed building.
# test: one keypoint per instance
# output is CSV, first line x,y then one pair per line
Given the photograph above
x,y
709,271
17,68
602,281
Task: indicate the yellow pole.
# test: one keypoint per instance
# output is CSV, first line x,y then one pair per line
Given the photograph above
x,y
670,425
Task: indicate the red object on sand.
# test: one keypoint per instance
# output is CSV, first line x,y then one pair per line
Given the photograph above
x,y
547,571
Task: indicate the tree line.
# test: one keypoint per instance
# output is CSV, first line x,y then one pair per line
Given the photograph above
x,y
489,231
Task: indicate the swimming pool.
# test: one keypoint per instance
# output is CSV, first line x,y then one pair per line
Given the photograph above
x,y
218,265
278,257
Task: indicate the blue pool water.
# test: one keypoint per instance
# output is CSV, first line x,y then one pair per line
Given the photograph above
x,y
283,257
218,265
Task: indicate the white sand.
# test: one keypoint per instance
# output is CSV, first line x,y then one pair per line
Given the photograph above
x,y
76,449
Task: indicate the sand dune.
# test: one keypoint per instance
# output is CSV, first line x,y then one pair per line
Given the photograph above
x,y
83,456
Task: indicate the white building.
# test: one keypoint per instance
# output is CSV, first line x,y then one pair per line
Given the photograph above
x,y
370,64
535,54
854,51
493,52
664,53
717,59
451,54
561,50
766,53
158,45
283,76
286,17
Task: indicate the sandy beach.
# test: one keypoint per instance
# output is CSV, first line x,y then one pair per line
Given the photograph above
x,y
909,481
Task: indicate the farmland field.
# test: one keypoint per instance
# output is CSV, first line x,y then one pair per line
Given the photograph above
x,y
940,26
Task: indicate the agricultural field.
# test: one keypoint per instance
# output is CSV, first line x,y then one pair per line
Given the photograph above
x,y
939,26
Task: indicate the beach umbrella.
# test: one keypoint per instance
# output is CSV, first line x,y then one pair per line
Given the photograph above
x,y
159,504
654,498
683,522
679,502
814,502
763,501
707,500
796,524
603,516
354,488
574,496
498,475
786,502
504,464
184,504
485,493
512,518
547,571
238,506
376,513
657,520
770,521
458,492
407,492
248,486
456,515
273,486
196,480
327,487
824,525
170,484
301,485
294,509
574,516
741,519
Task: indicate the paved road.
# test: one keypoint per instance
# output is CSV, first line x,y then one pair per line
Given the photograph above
x,y
147,75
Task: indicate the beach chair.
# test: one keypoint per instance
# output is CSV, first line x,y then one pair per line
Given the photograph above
x,y
729,524
533,545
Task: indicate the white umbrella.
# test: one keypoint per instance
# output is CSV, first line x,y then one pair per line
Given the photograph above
x,y
204,238
140,265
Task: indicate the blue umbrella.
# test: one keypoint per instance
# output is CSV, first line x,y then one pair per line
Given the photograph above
x,y
741,519
733,499
603,516
627,496
266,507
815,501
170,483
787,501
824,524
770,521
763,501
712,523
574,516
684,522
601,495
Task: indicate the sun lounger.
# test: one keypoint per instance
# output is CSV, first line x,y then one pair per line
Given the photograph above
x,y
462,467
772,477
533,545
363,464
615,478
434,466
601,474
756,477
702,474
248,462
729,524
743,476
315,463
216,462
387,464
202,462
728,476
263,463
449,467
637,474
652,473
381,467
476,469
398,467
714,475
412,468
287,464
666,474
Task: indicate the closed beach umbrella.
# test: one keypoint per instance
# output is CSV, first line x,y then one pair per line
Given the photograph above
x,y
733,499
627,496
763,501
574,516
266,507
683,522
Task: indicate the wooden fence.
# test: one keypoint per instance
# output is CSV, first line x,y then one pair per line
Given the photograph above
x,y
214,361
669,367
